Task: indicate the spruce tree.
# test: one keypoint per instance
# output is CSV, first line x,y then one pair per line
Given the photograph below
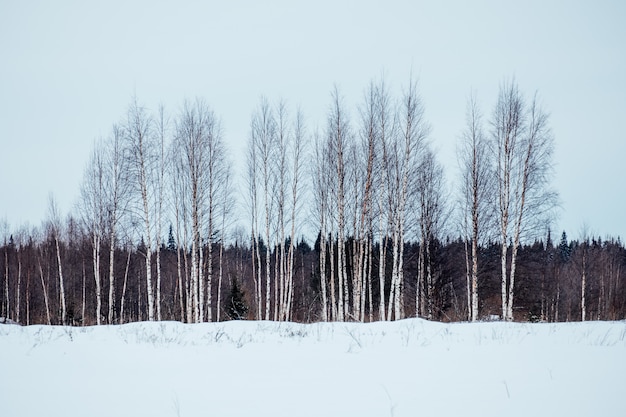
x,y
171,242
565,249
236,307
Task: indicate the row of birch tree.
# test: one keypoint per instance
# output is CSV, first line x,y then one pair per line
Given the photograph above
x,y
152,168
367,181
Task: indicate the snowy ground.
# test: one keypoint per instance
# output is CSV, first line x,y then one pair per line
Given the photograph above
x,y
405,368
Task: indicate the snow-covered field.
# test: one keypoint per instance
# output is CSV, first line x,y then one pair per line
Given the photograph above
x,y
406,368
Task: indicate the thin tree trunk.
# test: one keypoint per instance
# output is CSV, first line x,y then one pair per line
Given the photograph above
x,y
61,283
28,298
333,295
6,281
201,285
209,307
158,283
475,276
121,318
583,304
219,278
112,271
381,272
323,270
179,281
149,290
468,281
45,295
503,264
256,273
84,310
96,274
19,284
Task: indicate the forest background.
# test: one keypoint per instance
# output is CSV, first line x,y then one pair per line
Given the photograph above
x,y
90,255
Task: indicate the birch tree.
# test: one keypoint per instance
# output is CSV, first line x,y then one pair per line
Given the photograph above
x,y
161,125
200,169
385,123
476,189
370,132
6,295
298,152
320,172
44,284
584,266
116,188
522,144
180,210
252,179
142,154
263,139
226,205
218,177
280,196
20,243
339,137
431,214
55,230
408,148
92,208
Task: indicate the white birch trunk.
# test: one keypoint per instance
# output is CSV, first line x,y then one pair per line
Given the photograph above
x,y
18,290
61,282
112,273
583,304
45,294
333,292
96,274
158,283
124,284
468,281
84,310
6,280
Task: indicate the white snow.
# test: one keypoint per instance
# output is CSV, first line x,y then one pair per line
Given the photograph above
x,y
406,368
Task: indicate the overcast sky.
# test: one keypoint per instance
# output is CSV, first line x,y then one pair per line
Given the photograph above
x,y
68,70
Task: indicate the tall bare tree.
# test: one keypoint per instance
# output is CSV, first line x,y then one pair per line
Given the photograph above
x,y
44,282
522,143
408,148
431,214
369,134
297,153
219,191
201,169
92,208
339,137
386,128
252,179
226,206
319,173
55,226
281,170
116,189
180,210
263,139
477,190
142,166
161,132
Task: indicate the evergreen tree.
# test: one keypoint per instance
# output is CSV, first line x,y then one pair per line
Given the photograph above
x,y
171,242
236,307
565,250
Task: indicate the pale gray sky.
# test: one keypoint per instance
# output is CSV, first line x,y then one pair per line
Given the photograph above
x,y
68,70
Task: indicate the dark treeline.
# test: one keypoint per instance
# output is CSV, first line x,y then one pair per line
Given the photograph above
x,y
157,233
549,287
